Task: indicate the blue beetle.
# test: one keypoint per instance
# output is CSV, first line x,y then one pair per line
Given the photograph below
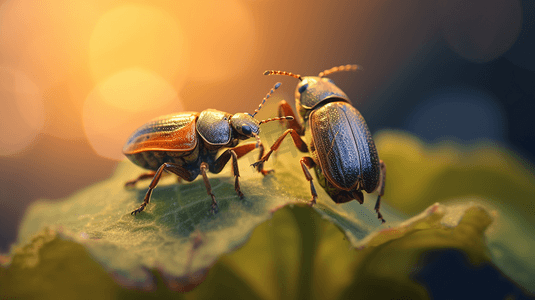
x,y
343,153
187,145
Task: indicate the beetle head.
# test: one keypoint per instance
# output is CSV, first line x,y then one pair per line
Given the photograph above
x,y
245,125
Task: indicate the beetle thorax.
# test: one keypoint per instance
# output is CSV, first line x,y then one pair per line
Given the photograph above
x,y
314,91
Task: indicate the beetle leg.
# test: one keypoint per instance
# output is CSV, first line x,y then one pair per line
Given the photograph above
x,y
236,171
298,141
204,166
132,183
171,167
308,162
286,110
358,196
381,189
241,150
260,166
222,160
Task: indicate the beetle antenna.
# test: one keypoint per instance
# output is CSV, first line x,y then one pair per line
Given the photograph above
x,y
276,119
340,68
273,72
276,86
257,139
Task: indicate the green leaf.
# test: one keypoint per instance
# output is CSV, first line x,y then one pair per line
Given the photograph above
x,y
295,255
483,172
176,233
429,173
89,244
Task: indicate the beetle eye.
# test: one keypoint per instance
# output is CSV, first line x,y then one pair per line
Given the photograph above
x,y
303,88
246,129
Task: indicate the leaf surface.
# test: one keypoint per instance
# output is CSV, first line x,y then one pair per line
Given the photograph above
x,y
269,245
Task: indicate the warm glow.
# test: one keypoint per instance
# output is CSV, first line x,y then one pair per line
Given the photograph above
x,y
21,113
137,36
222,37
125,101
46,39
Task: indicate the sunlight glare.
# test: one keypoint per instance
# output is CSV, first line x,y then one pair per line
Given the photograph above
x,y
122,103
221,35
137,36
22,113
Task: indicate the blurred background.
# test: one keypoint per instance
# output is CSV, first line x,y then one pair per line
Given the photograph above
x,y
77,77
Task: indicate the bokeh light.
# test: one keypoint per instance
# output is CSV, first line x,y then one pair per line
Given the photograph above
x,y
122,103
46,39
222,37
460,114
480,30
137,36
22,112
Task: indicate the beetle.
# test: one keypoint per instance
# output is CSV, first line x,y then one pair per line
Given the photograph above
x,y
187,145
343,153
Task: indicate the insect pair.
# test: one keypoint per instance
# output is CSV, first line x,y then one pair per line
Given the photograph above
x,y
343,153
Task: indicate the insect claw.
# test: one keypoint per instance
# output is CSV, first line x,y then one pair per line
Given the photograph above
x,y
380,216
266,172
256,164
239,192
214,209
140,209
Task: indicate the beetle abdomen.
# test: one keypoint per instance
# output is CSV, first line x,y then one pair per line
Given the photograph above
x,y
170,138
344,147
152,160
167,133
